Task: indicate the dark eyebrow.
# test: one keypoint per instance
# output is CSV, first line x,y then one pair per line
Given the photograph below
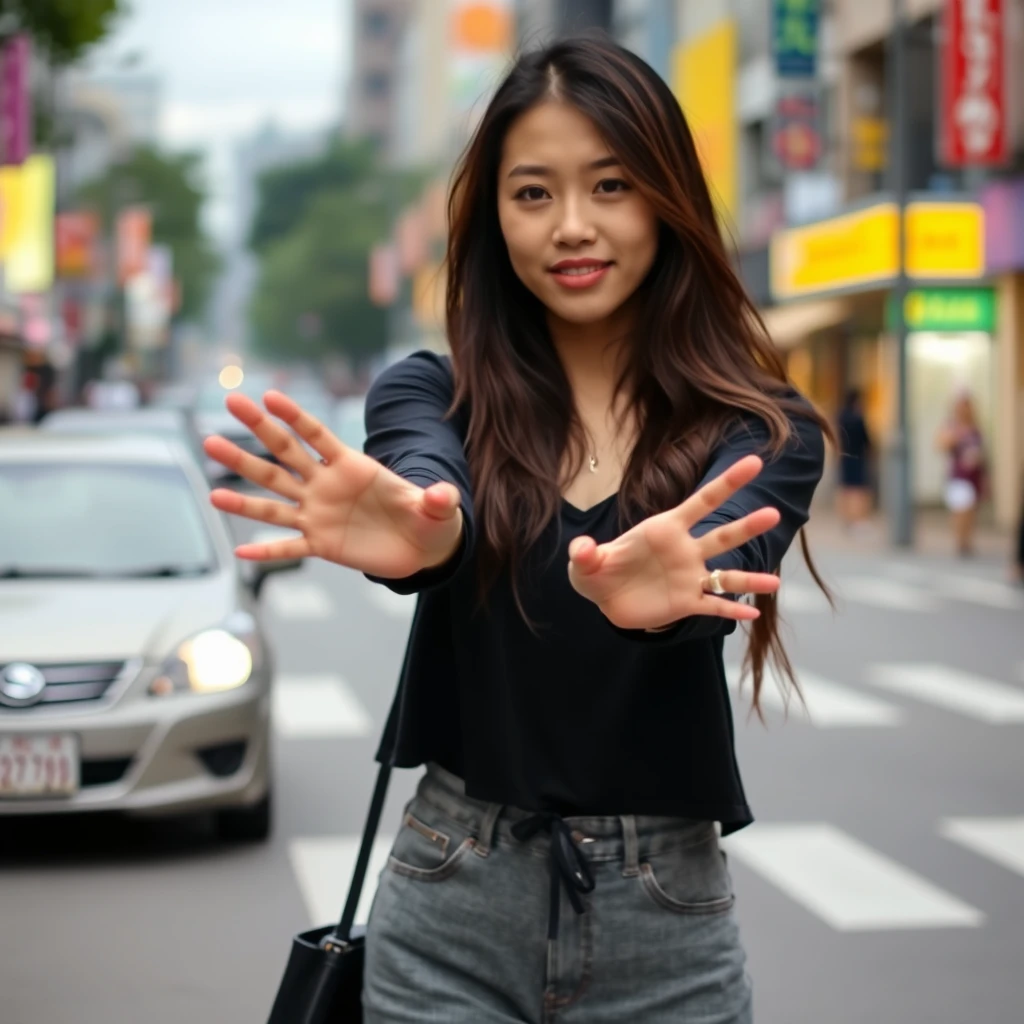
x,y
539,171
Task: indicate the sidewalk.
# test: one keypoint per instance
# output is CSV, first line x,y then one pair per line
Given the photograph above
x,y
932,537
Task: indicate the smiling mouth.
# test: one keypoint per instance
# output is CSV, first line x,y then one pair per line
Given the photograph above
x,y
579,269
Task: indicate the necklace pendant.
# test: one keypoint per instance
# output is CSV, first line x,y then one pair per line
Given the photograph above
x,y
593,463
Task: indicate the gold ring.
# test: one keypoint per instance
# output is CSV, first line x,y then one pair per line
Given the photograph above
x,y
713,582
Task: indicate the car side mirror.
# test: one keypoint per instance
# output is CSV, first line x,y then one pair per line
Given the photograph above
x,y
262,571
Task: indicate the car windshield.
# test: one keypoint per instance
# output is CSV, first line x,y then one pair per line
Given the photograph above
x,y
100,520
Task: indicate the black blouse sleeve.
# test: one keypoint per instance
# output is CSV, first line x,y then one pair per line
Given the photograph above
x,y
787,483
408,430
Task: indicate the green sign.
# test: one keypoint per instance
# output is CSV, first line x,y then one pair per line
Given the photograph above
x,y
948,309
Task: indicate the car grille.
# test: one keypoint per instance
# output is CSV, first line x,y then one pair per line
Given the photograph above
x,y
73,683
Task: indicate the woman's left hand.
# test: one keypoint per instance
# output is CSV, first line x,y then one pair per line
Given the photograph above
x,y
656,573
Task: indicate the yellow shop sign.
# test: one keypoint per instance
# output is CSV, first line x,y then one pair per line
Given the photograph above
x,y
944,241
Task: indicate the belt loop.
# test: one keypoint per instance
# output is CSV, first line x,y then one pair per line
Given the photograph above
x,y
485,838
631,847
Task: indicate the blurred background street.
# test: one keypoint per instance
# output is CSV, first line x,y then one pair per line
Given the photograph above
x,y
207,196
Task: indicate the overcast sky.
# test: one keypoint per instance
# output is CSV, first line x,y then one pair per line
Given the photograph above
x,y
229,65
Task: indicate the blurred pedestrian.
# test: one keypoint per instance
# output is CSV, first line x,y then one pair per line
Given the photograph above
x,y
1018,563
854,462
961,439
609,460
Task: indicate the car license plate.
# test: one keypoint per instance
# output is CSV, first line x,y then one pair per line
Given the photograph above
x,y
38,765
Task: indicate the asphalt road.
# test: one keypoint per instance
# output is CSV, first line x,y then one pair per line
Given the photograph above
x,y
883,880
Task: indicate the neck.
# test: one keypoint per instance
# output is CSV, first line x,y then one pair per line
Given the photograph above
x,y
593,355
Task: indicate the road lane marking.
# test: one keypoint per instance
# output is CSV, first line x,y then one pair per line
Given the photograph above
x,y
952,690
829,704
799,598
956,587
323,866
299,599
318,705
888,594
999,839
845,883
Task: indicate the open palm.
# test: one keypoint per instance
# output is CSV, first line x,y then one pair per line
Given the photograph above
x,y
655,573
348,508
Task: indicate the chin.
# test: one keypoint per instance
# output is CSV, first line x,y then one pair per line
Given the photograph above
x,y
584,310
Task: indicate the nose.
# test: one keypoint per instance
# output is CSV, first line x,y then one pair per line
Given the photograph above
x,y
574,227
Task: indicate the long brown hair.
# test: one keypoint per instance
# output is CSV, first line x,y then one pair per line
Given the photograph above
x,y
700,358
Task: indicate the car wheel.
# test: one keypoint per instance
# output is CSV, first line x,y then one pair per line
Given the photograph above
x,y
246,824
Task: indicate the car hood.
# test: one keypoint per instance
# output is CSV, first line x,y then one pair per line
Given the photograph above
x,y
98,620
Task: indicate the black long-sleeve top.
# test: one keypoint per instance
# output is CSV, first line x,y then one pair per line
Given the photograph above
x,y
576,716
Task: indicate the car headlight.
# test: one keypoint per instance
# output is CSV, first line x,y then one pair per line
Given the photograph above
x,y
212,661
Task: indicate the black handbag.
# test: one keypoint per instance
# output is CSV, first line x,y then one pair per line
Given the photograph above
x,y
323,982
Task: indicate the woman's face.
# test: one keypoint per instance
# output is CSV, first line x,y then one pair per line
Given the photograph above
x,y
578,235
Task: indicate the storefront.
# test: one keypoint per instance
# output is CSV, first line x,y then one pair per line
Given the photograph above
x,y
831,284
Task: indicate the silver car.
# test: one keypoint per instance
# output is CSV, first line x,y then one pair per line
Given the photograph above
x,y
134,674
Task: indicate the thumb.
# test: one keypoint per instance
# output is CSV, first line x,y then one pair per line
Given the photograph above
x,y
441,501
584,556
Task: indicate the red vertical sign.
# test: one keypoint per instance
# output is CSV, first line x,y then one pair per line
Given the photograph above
x,y
974,128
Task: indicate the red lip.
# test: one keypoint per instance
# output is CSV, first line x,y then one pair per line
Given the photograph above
x,y
573,264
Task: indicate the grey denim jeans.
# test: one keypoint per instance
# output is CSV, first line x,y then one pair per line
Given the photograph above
x,y
459,929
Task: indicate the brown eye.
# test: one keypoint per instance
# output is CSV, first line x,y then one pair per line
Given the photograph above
x,y
532,193
609,186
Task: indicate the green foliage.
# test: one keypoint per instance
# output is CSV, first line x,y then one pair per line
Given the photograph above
x,y
314,228
171,187
63,29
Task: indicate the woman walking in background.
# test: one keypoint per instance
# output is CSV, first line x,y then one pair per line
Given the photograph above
x,y
961,439
854,462
610,457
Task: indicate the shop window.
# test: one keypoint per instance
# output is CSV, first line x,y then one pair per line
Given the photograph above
x,y
377,24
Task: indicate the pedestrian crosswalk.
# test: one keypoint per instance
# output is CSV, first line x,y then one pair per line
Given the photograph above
x,y
828,705
836,878
298,598
318,705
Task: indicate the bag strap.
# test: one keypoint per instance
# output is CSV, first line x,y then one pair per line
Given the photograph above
x,y
355,889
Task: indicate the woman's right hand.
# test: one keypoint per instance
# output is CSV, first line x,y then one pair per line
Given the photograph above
x,y
348,509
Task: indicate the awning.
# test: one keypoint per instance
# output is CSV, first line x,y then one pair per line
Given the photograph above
x,y
794,323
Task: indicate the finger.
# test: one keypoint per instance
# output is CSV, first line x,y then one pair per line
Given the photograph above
x,y
733,535
584,556
282,443
723,609
294,547
735,581
252,468
306,425
441,501
263,510
715,493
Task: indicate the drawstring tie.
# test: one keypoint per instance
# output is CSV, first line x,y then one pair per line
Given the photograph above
x,y
569,865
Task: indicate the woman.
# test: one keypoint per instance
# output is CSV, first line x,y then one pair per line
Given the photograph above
x,y
855,452
611,455
962,441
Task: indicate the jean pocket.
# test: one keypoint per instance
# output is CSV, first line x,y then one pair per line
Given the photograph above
x,y
690,878
428,846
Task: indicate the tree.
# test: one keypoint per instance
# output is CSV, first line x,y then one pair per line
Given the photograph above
x,y
315,225
63,29
171,187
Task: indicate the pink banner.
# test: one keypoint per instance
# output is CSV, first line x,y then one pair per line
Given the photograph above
x,y
15,102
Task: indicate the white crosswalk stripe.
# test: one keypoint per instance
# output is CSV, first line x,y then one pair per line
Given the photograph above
x,y
959,587
846,884
999,839
318,705
828,704
299,599
397,606
798,598
887,594
952,690
323,867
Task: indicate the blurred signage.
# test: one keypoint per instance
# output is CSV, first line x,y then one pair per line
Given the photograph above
x,y
27,198
948,309
383,274
411,239
797,135
481,38
134,233
943,240
15,99
973,128
1003,203
76,235
795,38
704,81
868,140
